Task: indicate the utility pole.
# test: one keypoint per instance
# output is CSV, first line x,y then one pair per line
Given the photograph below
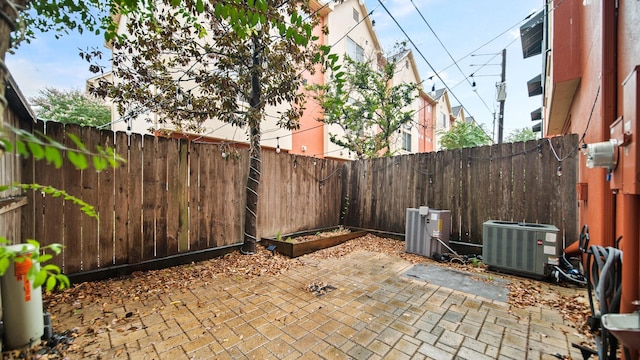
x,y
502,95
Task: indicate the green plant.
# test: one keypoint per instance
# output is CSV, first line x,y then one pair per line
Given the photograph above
x,y
289,239
278,236
48,275
475,262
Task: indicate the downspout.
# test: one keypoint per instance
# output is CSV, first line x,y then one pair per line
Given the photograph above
x,y
609,103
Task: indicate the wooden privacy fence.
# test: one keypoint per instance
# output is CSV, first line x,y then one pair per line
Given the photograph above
x,y
172,196
177,197
512,182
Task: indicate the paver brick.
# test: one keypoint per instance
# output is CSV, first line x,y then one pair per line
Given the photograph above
x,y
406,347
470,354
170,343
433,352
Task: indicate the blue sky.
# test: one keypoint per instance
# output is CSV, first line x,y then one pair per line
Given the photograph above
x,y
462,25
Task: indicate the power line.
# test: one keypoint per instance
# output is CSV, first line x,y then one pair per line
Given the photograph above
x,y
448,53
428,63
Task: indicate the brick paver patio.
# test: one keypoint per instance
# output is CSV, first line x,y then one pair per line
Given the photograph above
x,y
373,314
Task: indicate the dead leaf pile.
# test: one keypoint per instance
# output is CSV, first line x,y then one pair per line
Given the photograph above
x,y
319,288
574,308
143,285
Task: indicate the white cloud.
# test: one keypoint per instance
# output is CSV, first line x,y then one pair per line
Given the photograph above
x,y
32,76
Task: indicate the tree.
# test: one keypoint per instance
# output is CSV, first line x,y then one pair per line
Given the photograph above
x,y
464,134
70,107
524,134
361,101
243,57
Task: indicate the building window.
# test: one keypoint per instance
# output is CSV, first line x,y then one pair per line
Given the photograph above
x,y
406,141
429,109
356,15
406,137
444,120
355,51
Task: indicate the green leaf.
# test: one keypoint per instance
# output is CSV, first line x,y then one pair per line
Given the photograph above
x,y
78,160
56,248
51,268
44,258
199,6
63,280
41,277
4,265
76,140
100,163
52,155
36,150
51,283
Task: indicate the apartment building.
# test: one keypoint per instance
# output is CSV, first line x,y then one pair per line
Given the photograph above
x,y
352,33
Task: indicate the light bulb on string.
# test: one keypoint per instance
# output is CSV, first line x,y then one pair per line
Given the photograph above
x,y
559,171
179,94
189,104
278,145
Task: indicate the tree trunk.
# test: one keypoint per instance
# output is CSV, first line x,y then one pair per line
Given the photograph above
x,y
253,180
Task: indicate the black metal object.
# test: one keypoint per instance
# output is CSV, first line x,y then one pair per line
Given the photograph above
x,y
585,351
155,264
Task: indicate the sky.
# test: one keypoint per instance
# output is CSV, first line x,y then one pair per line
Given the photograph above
x,y
473,33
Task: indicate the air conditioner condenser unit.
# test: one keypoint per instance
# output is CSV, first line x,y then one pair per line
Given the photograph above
x,y
520,248
423,226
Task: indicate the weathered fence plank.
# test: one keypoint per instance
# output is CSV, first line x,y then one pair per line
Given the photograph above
x,y
50,224
134,235
122,200
106,207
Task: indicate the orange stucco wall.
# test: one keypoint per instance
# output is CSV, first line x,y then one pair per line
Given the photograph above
x,y
425,119
609,49
311,134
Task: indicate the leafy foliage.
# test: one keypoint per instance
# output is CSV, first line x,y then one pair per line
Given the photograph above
x,y
229,64
49,275
70,107
463,135
243,57
524,134
89,210
360,100
64,16
42,147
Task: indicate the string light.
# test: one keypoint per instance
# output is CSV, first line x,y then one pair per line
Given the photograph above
x,y
189,104
179,94
559,171
278,145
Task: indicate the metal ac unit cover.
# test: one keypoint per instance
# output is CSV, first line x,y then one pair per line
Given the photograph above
x,y
520,248
421,231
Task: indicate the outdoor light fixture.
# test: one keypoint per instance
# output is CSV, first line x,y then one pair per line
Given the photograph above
x,y
179,95
473,86
272,248
278,145
559,171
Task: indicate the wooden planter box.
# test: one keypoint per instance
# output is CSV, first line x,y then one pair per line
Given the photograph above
x,y
293,249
